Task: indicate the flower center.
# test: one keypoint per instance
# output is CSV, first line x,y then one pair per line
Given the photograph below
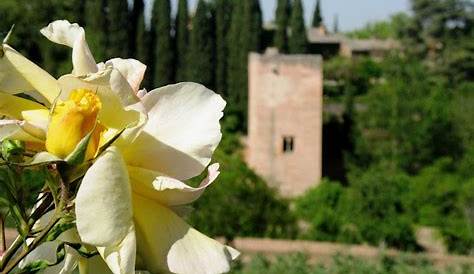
x,y
71,121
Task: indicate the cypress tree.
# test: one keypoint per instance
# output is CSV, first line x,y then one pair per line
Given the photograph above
x,y
298,41
317,16
234,75
182,40
97,28
144,50
245,36
201,55
252,37
135,18
163,68
117,20
336,24
281,33
223,18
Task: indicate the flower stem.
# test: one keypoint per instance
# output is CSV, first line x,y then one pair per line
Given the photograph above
x,y
16,260
3,244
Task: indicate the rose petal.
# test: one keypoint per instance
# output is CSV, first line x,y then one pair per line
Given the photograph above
x,y
181,133
103,202
168,191
18,74
131,69
72,35
167,243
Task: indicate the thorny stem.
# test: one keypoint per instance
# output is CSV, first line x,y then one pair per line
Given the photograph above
x,y
3,244
10,266
8,262
35,215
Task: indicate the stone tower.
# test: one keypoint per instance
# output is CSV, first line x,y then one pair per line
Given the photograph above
x,y
284,143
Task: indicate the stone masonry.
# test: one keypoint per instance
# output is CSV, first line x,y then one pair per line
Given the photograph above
x,y
284,142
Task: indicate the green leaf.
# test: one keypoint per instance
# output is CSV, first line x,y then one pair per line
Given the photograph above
x,y
12,150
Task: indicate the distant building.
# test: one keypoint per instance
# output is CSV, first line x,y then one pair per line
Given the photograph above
x,y
285,127
329,45
284,143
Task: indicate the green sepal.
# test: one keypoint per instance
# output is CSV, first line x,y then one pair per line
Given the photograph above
x,y
78,155
110,142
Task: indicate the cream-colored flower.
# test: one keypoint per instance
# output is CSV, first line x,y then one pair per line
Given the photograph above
x,y
126,204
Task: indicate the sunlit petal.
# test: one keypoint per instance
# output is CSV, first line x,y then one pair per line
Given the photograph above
x,y
103,202
18,74
167,243
131,69
72,35
181,133
168,191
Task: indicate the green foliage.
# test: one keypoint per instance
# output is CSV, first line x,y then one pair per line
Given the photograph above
x,y
320,207
376,202
389,29
223,18
135,26
298,41
280,39
317,16
163,55
406,134
181,40
144,50
117,13
298,264
436,198
97,28
245,36
202,51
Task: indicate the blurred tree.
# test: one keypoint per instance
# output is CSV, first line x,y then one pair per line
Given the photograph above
x,y
223,18
117,21
144,50
376,204
134,23
408,134
298,40
335,26
317,16
97,28
252,24
437,21
436,198
182,40
201,52
163,68
319,206
235,78
394,28
281,19
245,36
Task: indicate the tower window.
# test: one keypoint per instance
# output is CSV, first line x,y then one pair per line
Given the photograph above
x,y
288,144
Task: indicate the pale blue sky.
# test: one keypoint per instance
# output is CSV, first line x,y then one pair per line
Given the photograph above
x,y
352,13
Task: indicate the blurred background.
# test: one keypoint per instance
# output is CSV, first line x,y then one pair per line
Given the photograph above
x,y
348,142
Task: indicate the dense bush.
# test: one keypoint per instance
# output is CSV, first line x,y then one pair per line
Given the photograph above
x,y
440,197
371,210
406,120
298,264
